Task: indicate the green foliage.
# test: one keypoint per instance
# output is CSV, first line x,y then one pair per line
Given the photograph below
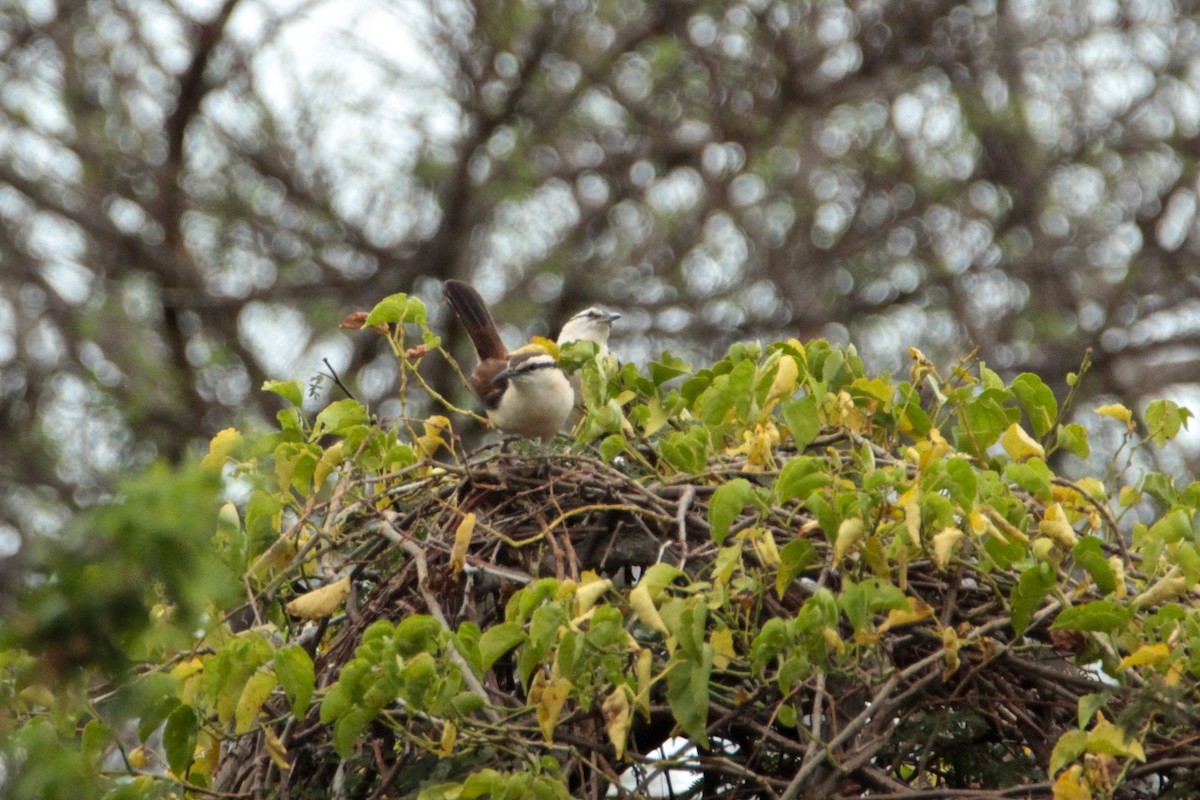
x,y
810,526
130,580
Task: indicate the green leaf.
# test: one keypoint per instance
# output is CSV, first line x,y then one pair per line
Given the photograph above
x,y
498,640
1089,704
963,483
1069,747
1187,559
294,668
1074,439
348,728
1033,476
1038,400
288,390
397,308
419,633
796,556
1089,554
179,739
802,419
1035,583
335,704
909,405
157,695
686,451
726,504
859,601
1161,487
1172,527
985,420
668,367
612,446
687,679
1103,616
338,417
419,676
799,478
1164,418
659,576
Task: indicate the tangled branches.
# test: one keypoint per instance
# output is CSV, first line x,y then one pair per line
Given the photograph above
x,y
806,675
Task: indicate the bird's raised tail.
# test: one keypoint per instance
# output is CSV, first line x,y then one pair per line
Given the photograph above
x,y
475,317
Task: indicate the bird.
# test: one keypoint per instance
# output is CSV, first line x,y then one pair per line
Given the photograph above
x,y
590,325
524,393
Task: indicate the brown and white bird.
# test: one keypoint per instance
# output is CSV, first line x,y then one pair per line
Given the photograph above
x,y
524,393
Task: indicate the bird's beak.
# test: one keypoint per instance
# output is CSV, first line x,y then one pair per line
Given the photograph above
x,y
613,316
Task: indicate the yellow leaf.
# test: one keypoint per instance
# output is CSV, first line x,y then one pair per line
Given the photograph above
x,y
785,379
1108,738
625,397
190,674
617,719
1093,487
449,738
1070,785
850,531
434,437
1146,654
910,502
917,610
833,638
758,447
138,757
1054,524
764,547
228,519
644,669
722,645
276,750
1118,567
330,459
1001,528
645,610
462,540
538,344
589,592
932,450
656,419
1019,445
950,647
320,602
254,694
945,544
1117,412
549,695
220,447
1166,588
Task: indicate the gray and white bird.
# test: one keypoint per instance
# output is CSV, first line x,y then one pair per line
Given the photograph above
x,y
590,325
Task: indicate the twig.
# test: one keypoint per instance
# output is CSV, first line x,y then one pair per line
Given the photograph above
x,y
681,511
337,381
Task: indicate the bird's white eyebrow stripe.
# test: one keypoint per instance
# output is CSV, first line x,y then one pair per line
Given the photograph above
x,y
531,362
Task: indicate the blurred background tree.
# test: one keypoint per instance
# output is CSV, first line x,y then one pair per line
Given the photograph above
x,y
193,194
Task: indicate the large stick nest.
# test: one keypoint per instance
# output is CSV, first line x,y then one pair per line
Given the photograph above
x,y
905,721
